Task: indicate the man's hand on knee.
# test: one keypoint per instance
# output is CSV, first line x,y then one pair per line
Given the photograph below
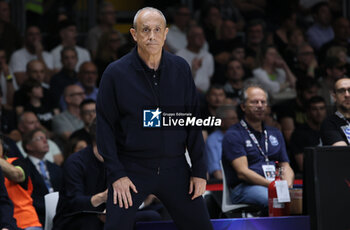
x,y
197,187
121,192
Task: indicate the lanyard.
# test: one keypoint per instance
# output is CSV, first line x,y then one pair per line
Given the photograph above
x,y
341,116
252,136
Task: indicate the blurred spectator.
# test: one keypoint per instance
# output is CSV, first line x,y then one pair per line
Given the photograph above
x,y
7,118
273,74
68,34
107,51
335,129
40,106
287,22
306,64
106,22
292,113
46,176
255,40
7,222
87,114
213,145
308,134
19,187
211,22
67,75
229,11
27,122
10,39
73,145
176,37
200,60
33,49
87,77
295,39
215,97
234,85
335,69
35,70
321,31
65,123
338,52
7,81
222,49
251,9
341,28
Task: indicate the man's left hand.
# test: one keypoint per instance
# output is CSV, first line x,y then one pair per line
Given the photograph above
x,y
197,187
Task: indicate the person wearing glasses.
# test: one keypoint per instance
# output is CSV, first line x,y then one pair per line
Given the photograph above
x,y
65,123
87,114
250,149
46,176
335,130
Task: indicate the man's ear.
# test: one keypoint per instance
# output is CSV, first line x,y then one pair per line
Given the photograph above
x,y
166,32
133,34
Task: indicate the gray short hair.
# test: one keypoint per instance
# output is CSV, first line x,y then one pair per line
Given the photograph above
x,y
148,9
244,95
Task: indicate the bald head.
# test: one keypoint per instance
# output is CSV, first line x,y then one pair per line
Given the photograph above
x,y
36,70
144,12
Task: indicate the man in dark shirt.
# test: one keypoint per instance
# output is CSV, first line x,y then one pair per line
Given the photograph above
x,y
87,114
67,75
308,134
142,160
335,130
249,150
84,189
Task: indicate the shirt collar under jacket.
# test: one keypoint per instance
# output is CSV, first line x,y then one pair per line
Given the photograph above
x,y
143,64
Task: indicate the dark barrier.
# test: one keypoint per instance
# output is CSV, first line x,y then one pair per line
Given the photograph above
x,y
327,187
262,223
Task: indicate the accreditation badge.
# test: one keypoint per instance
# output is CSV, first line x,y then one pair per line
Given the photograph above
x,y
269,172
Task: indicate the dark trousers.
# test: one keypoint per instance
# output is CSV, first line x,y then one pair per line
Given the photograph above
x,y
170,185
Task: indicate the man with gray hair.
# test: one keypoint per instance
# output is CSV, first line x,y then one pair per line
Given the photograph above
x,y
141,159
106,22
250,149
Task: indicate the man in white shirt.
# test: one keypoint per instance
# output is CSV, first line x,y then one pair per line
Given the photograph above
x,y
200,60
33,49
68,34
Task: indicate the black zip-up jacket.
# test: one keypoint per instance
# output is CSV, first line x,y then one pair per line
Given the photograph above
x,y
125,91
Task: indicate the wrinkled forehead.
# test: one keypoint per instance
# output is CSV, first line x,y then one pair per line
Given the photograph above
x,y
150,18
342,83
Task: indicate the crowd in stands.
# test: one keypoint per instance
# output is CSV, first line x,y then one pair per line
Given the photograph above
x,y
295,52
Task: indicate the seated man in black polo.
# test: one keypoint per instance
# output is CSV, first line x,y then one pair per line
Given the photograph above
x,y
335,130
250,149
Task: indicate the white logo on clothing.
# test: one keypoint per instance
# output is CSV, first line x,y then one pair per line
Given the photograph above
x,y
273,140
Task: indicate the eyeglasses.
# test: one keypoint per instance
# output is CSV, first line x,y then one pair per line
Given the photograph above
x,y
39,138
342,91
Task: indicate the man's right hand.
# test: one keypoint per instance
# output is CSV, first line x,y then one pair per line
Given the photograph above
x,y
121,191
